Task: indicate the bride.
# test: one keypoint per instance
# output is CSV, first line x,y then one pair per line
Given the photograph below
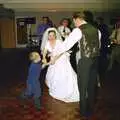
x,y
60,78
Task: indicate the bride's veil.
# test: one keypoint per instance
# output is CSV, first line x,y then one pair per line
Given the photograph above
x,y
45,37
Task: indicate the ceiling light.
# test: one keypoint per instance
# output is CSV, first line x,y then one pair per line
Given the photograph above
x,y
52,10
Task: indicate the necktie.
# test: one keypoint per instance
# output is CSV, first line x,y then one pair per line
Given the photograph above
x,y
64,29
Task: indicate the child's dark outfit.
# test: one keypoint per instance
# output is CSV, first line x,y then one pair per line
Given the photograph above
x,y
33,85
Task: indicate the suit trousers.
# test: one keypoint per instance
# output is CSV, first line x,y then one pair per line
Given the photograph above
x,y
87,70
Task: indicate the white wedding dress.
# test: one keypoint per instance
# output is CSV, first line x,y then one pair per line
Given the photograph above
x,y
61,78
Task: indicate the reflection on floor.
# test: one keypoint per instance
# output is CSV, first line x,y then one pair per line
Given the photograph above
x,y
13,69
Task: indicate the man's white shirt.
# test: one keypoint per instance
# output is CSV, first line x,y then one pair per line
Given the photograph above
x,y
69,42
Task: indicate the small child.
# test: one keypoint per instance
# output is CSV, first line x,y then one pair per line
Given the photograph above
x,y
33,88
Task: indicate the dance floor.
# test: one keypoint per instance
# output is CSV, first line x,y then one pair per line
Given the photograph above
x,y
13,72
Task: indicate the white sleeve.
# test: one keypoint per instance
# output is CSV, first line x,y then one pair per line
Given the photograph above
x,y
73,37
58,29
99,35
68,30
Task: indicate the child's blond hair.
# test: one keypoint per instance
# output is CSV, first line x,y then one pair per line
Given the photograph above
x,y
34,56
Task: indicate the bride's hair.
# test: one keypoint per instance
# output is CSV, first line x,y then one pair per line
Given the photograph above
x,y
52,31
45,36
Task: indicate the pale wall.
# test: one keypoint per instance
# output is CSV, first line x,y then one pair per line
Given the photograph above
x,y
57,16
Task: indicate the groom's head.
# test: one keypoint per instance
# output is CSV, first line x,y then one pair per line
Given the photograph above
x,y
78,18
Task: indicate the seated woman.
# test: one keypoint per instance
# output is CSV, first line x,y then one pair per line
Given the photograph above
x,y
60,78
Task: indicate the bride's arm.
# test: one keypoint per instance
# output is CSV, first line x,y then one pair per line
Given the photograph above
x,y
44,56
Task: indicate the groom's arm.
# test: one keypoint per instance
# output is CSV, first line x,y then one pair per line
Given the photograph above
x,y
69,42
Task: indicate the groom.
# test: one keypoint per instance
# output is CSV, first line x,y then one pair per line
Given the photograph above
x,y
88,38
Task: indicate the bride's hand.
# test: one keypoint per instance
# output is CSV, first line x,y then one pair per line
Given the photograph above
x,y
44,61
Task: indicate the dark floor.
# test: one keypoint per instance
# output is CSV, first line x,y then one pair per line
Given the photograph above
x,y
13,69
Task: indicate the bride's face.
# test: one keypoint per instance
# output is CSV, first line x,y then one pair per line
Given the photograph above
x,y
51,36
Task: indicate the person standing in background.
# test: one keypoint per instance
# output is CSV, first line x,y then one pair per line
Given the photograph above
x,y
63,29
115,41
42,27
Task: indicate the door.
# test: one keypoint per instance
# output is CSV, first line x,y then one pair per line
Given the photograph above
x,y
7,33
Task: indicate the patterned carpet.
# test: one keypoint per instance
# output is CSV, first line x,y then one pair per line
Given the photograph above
x,y
107,103
12,108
